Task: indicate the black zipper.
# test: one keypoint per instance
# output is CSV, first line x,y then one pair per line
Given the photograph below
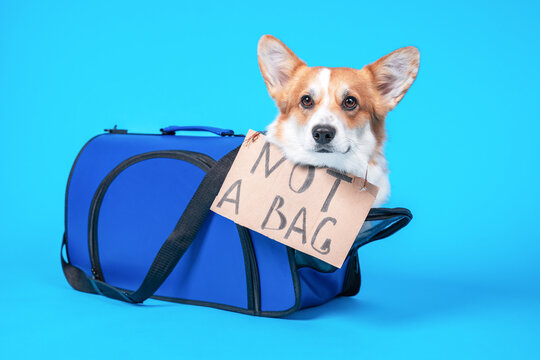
x,y
252,270
204,162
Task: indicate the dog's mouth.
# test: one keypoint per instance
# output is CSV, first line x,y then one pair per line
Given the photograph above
x,y
327,150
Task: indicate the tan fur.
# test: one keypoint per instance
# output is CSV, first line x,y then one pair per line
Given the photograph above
x,y
359,83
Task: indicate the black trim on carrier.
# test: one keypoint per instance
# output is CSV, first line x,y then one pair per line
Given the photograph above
x,y
252,270
81,282
353,278
67,187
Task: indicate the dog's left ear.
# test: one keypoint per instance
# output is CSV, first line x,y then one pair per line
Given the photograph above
x,y
278,64
395,73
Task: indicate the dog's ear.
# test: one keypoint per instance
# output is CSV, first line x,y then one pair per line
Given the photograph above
x,y
395,73
277,63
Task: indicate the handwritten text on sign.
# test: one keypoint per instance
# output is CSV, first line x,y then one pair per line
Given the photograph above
x,y
318,211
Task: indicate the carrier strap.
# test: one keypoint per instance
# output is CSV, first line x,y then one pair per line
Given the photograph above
x,y
172,249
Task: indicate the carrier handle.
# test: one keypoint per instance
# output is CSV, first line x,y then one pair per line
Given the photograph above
x,y
172,249
171,130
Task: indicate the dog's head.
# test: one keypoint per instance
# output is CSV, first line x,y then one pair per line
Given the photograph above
x,y
333,116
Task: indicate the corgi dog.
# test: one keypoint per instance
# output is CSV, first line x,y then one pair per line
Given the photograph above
x,y
335,117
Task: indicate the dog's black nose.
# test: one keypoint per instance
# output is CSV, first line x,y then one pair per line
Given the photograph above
x,y
323,134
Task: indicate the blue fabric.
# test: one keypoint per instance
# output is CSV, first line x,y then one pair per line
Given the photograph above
x,y
141,208
105,152
318,287
277,289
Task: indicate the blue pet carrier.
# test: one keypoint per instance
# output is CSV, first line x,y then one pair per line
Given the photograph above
x,y
138,225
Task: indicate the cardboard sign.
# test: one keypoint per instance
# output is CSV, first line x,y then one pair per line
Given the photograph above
x,y
318,211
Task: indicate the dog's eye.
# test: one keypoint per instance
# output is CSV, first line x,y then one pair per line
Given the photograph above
x,y
306,101
349,103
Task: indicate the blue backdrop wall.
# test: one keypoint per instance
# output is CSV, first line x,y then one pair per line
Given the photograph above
x,y
461,280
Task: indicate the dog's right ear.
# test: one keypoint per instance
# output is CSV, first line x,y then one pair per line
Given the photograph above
x,y
277,63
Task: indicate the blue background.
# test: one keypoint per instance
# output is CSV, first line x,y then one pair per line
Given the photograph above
x,y
461,280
